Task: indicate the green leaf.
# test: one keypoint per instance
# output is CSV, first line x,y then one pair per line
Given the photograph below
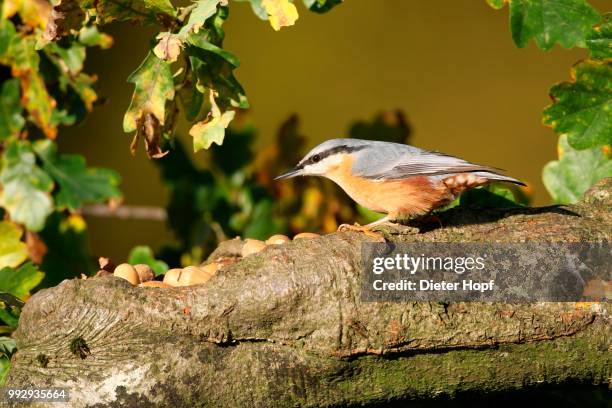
x,y
213,66
323,6
201,43
214,71
11,121
154,86
72,57
599,39
132,10
144,255
7,349
21,281
78,184
7,36
191,98
26,188
204,9
72,82
582,109
9,315
551,21
91,36
24,61
5,366
22,55
12,250
7,346
568,178
368,215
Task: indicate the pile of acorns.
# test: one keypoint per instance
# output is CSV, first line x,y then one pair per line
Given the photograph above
x,y
252,246
142,275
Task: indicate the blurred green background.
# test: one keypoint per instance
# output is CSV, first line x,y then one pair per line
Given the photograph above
x,y
450,66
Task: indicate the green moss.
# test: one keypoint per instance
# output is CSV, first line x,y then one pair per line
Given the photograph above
x,y
79,348
42,360
428,374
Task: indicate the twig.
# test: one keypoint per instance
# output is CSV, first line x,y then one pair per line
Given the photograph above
x,y
133,212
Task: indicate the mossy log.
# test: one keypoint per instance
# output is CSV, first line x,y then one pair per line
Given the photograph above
x,y
286,327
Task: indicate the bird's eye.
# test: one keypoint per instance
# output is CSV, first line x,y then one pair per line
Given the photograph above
x,y
316,158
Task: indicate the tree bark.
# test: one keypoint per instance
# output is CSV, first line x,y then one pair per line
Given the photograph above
x,y
286,327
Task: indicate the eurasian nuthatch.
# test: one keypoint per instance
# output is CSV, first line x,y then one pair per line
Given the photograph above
x,y
399,180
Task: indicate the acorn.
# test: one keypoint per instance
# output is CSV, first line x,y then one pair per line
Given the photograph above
x,y
145,273
155,284
306,235
277,239
171,276
127,272
192,275
252,246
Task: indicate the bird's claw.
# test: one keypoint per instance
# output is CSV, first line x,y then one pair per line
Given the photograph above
x,y
363,229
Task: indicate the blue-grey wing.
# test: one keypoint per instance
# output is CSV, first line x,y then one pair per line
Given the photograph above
x,y
394,162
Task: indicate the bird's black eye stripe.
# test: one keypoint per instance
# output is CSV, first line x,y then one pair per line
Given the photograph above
x,y
315,158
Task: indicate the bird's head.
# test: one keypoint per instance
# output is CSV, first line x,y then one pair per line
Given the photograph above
x,y
325,158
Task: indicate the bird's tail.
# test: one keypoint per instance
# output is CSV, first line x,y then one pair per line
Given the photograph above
x,y
499,177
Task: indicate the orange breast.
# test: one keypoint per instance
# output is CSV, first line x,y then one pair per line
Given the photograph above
x,y
398,198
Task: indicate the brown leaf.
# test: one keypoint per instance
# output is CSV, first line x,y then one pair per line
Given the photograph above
x,y
67,15
169,47
150,129
106,264
36,247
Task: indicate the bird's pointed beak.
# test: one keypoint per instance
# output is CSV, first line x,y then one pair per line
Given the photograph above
x,y
296,171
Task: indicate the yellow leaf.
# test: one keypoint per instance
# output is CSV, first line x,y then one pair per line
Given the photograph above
x,y
212,129
75,223
34,13
281,13
12,250
10,8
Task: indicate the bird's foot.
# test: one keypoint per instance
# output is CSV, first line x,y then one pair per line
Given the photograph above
x,y
365,229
